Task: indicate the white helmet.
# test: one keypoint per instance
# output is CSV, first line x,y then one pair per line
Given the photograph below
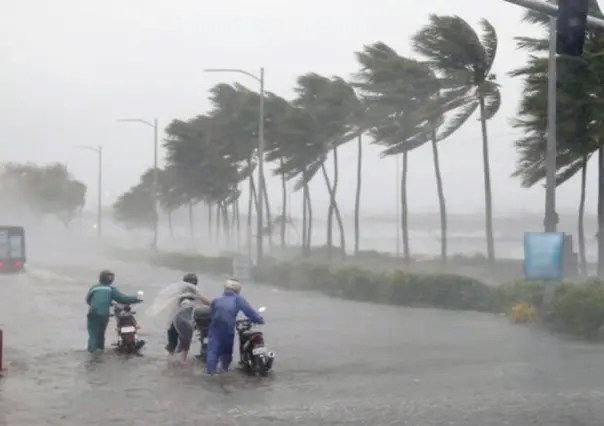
x,y
233,284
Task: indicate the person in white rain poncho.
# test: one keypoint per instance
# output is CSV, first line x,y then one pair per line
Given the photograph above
x,y
175,304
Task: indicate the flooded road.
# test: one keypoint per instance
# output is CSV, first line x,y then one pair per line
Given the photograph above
x,y
338,363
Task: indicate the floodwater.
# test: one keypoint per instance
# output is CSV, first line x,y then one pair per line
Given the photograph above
x,y
338,363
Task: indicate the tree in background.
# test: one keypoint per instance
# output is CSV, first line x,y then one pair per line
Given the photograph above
x,y
47,190
135,209
463,61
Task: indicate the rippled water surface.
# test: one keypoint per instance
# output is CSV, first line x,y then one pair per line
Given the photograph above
x,y
338,363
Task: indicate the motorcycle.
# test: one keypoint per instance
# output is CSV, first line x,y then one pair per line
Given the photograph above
x,y
201,318
254,356
127,329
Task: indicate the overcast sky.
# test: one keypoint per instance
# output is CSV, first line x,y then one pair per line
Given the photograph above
x,y
70,68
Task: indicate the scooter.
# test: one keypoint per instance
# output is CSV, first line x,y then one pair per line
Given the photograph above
x,y
127,329
254,356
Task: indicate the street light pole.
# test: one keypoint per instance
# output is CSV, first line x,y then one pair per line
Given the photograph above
x,y
261,189
155,127
99,220
551,218
551,153
155,183
261,146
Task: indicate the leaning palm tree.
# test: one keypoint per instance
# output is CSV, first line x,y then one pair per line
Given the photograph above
x,y
328,103
406,110
463,61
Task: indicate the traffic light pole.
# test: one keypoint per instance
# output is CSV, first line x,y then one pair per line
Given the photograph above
x,y
552,10
551,217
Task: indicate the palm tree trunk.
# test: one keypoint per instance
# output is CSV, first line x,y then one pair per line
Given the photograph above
x,y
331,189
283,203
441,199
218,226
304,220
226,224
581,230
267,208
487,183
191,231
405,209
307,225
237,225
601,213
357,199
209,222
170,224
334,209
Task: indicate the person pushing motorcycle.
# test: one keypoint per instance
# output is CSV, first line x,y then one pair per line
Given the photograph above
x,y
99,299
223,317
173,334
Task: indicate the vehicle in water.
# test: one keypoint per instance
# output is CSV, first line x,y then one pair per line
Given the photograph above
x,y
255,357
201,318
127,328
12,249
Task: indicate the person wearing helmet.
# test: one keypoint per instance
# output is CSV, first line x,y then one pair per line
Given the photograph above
x,y
223,315
99,299
173,334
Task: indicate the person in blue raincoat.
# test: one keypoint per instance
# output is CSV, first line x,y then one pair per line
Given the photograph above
x,y
99,299
223,315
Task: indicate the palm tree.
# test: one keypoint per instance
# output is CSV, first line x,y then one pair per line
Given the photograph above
x,y
406,107
331,105
579,123
463,61
235,123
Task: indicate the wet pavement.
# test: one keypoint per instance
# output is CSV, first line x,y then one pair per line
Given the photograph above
x,y
338,363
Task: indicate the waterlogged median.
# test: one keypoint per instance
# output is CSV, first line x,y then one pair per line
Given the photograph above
x,y
573,308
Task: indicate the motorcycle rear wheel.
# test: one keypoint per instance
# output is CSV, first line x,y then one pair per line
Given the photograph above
x,y
261,366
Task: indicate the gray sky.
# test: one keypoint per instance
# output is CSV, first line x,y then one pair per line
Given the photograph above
x,y
71,67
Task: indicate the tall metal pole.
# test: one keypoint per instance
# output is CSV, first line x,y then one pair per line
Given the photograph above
x,y
155,189
551,9
98,150
259,239
550,220
99,220
155,184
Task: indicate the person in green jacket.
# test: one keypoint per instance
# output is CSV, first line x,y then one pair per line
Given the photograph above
x,y
99,299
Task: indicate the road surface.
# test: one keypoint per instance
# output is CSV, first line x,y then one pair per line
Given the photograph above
x,y
338,363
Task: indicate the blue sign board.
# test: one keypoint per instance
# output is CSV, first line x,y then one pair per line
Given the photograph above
x,y
543,254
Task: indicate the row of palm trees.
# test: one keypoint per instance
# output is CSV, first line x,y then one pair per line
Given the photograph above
x,y
397,102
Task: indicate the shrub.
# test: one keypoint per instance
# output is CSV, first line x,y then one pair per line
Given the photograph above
x,y
577,309
506,295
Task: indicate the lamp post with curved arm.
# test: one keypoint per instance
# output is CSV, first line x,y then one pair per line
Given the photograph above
x,y
99,214
259,225
154,126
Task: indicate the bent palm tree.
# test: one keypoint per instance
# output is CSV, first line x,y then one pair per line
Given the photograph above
x,y
463,61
